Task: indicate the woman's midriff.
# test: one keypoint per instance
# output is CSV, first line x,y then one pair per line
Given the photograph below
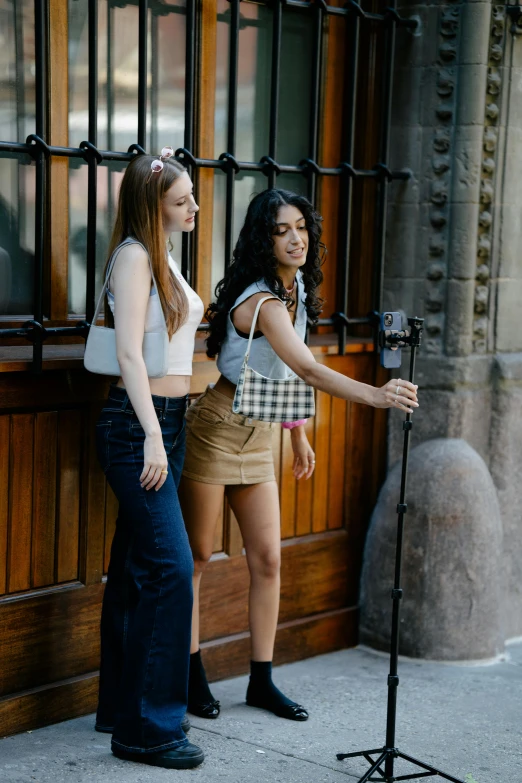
x,y
225,387
168,386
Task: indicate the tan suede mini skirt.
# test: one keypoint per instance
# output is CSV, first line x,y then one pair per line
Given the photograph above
x,y
224,447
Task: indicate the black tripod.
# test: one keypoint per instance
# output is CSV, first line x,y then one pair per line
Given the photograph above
x,y
386,756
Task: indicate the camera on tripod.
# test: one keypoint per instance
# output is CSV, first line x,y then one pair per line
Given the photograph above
x,y
392,337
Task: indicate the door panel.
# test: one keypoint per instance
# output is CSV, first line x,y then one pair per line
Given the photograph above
x,y
59,518
20,503
43,538
49,636
68,482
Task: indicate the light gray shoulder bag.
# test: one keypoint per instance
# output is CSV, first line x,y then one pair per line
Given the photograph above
x,y
100,349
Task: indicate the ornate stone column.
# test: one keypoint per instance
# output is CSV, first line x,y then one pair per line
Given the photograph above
x,y
501,319
440,226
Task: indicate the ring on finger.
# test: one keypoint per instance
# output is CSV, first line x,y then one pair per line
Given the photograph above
x,y
398,390
165,472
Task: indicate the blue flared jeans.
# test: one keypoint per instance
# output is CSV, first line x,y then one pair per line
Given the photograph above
x,y
147,606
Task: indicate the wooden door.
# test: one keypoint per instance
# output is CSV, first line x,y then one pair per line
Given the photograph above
x,y
56,513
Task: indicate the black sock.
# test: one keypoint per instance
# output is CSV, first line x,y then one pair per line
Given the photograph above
x,y
263,693
198,690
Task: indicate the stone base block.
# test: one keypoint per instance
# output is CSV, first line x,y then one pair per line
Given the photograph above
x,y
452,548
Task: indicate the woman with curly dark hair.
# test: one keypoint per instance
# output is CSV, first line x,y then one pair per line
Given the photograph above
x,y
278,252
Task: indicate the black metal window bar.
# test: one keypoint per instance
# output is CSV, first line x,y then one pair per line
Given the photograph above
x,y
36,146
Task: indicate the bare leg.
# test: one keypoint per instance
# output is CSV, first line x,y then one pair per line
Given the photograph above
x,y
256,507
200,504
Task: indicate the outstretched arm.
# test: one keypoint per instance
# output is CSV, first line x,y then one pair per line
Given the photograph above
x,y
277,327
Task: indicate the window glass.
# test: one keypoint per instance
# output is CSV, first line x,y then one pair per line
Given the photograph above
x,y
17,66
295,87
294,182
17,199
117,74
221,105
109,178
253,94
253,107
118,62
17,121
167,47
218,230
254,79
247,185
117,128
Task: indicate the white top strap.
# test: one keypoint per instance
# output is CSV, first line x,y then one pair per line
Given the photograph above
x,y
254,321
127,241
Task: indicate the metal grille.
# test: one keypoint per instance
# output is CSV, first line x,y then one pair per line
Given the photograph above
x,y
37,147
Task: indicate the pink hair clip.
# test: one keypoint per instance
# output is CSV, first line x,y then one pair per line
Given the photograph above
x,y
157,165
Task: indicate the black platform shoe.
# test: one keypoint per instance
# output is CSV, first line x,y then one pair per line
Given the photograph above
x,y
200,699
188,757
209,710
263,693
288,711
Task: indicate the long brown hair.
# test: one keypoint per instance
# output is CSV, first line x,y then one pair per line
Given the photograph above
x,y
139,215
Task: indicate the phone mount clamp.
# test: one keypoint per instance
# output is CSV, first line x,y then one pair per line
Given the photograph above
x,y
382,760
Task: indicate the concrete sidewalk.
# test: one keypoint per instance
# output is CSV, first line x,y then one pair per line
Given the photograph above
x,y
466,720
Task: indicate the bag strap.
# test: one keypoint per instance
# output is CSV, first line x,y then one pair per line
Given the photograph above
x,y
109,272
254,321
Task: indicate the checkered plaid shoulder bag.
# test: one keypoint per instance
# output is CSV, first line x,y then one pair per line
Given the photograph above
x,y
271,399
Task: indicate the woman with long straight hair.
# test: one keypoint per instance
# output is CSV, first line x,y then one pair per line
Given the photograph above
x,y
145,626
277,254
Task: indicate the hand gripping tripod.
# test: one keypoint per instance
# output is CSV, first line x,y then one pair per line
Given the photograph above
x,y
386,756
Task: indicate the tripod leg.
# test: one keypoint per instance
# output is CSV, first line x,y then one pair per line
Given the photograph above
x,y
379,769
433,770
373,769
342,756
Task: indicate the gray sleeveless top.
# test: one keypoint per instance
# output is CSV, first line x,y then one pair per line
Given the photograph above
x,y
263,358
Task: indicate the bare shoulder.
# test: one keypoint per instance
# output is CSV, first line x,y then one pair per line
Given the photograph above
x,y
244,312
131,261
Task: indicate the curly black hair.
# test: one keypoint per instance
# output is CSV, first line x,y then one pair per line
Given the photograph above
x,y
254,259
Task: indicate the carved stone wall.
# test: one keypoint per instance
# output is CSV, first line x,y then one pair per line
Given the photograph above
x,y
441,160
488,181
437,128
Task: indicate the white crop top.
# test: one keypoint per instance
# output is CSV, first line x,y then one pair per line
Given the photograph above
x,y
181,349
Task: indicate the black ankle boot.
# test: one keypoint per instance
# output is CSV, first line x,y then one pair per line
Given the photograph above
x,y
200,699
263,693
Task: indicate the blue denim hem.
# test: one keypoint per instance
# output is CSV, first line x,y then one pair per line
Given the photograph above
x,y
167,746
